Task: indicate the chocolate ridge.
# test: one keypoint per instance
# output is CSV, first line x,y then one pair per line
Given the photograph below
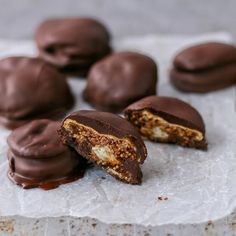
x,y
49,176
45,185
61,61
205,80
13,124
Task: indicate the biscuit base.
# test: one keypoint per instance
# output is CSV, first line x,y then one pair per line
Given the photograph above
x,y
116,156
158,129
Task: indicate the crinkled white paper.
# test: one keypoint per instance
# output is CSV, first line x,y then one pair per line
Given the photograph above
x,y
200,186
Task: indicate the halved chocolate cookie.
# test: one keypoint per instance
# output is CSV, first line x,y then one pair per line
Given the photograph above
x,y
166,119
108,140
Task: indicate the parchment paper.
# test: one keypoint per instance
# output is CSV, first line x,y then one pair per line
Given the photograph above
x,y
200,186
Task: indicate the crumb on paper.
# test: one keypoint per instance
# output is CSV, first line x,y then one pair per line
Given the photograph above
x,y
7,226
209,225
162,198
94,225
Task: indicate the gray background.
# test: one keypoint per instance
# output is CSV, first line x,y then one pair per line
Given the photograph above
x,y
18,18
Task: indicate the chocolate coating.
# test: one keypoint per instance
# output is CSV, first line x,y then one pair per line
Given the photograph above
x,y
30,89
38,158
205,80
93,133
173,113
205,56
72,44
120,79
204,68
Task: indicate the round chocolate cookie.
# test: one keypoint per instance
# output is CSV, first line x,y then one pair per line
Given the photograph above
x,y
204,68
31,89
72,44
38,158
120,79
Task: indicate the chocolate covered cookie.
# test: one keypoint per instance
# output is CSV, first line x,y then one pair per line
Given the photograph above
x,y
166,119
38,158
120,79
204,68
107,140
72,44
31,89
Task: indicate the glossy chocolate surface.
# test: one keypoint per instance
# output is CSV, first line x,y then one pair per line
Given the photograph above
x,y
205,80
205,56
204,68
38,158
30,89
72,44
120,79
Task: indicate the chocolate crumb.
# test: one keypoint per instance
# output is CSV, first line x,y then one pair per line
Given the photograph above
x,y
94,225
209,223
161,198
